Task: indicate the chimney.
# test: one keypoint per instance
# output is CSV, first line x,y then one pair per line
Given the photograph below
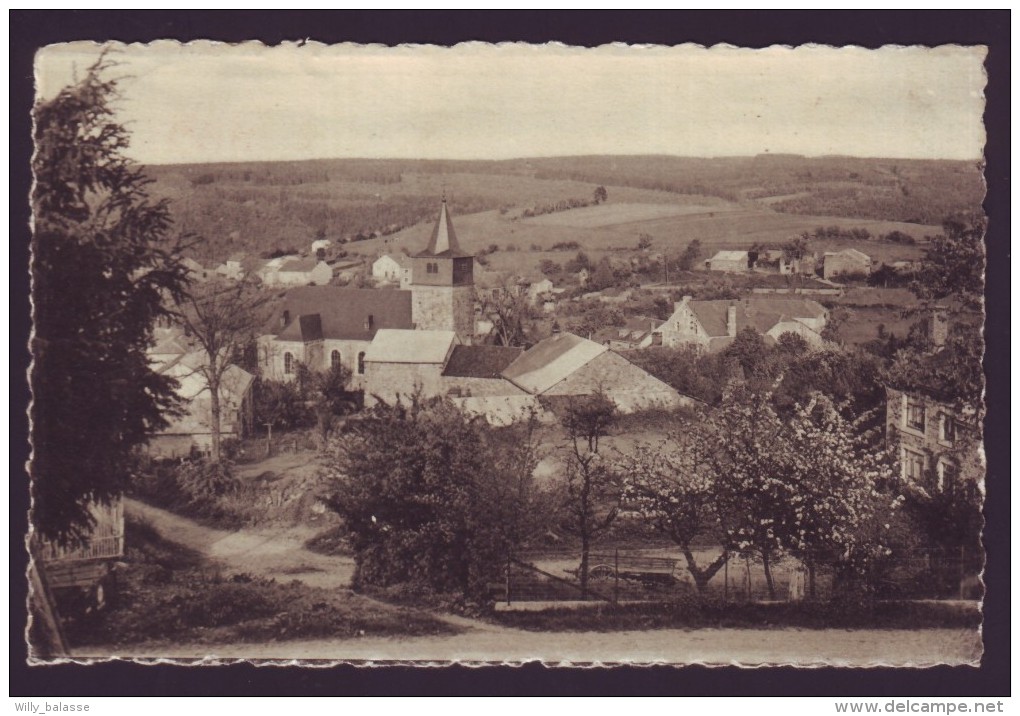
x,y
370,322
284,318
938,326
731,320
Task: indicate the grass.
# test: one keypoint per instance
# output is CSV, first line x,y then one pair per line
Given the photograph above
x,y
696,614
170,593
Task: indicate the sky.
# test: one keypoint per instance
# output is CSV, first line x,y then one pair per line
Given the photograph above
x,y
210,102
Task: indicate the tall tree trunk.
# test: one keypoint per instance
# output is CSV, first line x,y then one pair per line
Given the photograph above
x,y
585,546
702,576
214,409
811,579
767,564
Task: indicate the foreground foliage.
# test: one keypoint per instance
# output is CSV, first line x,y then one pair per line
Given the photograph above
x,y
103,261
432,498
168,592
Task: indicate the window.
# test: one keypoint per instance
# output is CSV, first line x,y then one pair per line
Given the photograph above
x,y
361,363
947,428
947,474
288,364
913,465
914,415
334,359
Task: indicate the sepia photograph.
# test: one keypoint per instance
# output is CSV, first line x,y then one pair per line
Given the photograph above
x,y
507,353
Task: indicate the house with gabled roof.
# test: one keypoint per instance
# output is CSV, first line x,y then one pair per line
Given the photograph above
x,y
390,267
847,261
565,366
712,325
304,272
324,326
636,332
729,261
403,363
192,429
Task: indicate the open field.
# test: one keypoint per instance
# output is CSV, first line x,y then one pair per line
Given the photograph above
x,y
618,214
259,206
672,228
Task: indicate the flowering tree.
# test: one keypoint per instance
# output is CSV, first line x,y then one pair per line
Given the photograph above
x,y
673,487
764,485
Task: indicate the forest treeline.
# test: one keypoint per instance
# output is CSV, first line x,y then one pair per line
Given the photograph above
x,y
257,206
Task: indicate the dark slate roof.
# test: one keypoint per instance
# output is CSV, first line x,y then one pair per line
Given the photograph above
x,y
443,242
342,312
759,313
480,361
306,328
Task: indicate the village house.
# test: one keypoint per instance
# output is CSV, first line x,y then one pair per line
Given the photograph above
x,y
232,268
402,364
192,430
729,261
538,290
196,271
303,272
847,261
774,260
937,443
565,366
636,332
712,325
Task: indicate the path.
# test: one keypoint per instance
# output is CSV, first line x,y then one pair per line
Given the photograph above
x,y
280,553
275,552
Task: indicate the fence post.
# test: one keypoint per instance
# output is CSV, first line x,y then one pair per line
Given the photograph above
x,y
508,580
962,571
616,576
726,579
747,566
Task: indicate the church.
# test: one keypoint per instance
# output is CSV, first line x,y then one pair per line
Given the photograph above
x,y
325,326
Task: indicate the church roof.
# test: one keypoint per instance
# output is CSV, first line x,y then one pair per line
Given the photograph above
x,y
444,239
343,313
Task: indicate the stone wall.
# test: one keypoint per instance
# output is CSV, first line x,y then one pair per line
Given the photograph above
x,y
479,387
389,381
683,328
444,308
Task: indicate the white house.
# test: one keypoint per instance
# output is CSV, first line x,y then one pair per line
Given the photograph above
x,y
712,325
729,261
388,268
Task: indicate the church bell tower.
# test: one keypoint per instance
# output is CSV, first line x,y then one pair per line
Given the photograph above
x,y
443,283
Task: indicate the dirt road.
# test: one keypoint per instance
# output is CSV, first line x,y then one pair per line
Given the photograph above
x,y
276,552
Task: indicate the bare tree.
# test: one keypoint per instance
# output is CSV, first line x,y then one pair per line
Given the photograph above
x,y
222,317
592,491
507,307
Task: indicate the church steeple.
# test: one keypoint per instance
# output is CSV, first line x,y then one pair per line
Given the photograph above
x,y
444,239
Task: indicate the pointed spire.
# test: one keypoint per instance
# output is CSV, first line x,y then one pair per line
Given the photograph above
x,y
444,238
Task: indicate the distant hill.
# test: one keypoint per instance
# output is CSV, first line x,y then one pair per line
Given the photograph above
x,y
262,206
